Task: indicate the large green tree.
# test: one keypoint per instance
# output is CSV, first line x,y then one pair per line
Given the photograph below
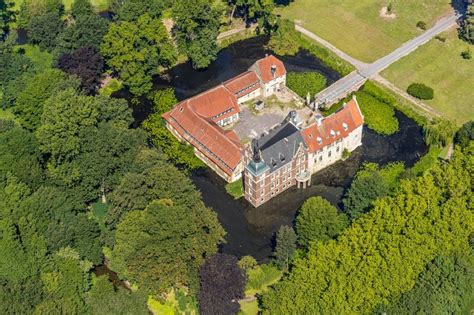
x,y
34,8
37,89
444,287
86,31
318,220
196,29
136,50
285,246
131,10
177,152
43,30
382,254
6,15
163,246
467,26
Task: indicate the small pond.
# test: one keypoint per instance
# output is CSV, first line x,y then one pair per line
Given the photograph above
x,y
250,231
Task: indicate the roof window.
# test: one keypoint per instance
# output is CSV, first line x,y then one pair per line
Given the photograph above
x,y
319,140
333,133
345,126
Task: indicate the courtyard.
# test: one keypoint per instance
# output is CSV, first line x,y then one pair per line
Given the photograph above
x,y
254,123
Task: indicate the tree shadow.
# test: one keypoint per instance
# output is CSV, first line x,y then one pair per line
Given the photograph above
x,y
459,6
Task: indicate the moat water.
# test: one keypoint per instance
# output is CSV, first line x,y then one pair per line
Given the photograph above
x,y
250,231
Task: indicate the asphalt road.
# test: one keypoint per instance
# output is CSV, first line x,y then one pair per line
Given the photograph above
x,y
355,79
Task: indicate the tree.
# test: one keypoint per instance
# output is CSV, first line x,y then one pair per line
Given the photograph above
x,y
222,285
131,10
19,154
465,134
247,262
87,64
153,180
195,30
259,11
467,25
439,132
38,88
104,299
163,246
177,152
65,281
383,253
81,7
6,15
88,141
34,8
318,220
136,49
285,40
44,29
443,287
285,246
87,31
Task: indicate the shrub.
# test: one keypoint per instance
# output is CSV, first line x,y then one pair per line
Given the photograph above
x,y
467,54
379,116
262,276
285,40
421,91
421,25
440,38
235,189
302,83
439,132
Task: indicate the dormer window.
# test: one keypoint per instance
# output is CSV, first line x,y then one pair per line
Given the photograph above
x,y
181,109
274,163
282,157
310,136
319,140
345,126
333,133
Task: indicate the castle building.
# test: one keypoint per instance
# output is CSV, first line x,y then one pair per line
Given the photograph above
x,y
199,119
288,155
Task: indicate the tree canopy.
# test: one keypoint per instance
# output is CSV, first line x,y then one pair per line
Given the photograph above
x,y
318,220
382,254
136,50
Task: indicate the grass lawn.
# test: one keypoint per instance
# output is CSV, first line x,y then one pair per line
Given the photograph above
x,y
235,189
357,28
42,60
249,307
440,66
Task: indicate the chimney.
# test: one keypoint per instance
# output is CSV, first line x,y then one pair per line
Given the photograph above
x,y
273,69
319,120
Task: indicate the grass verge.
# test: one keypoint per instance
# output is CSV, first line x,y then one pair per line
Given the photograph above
x,y
235,189
440,65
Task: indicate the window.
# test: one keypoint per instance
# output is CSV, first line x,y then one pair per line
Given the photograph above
x,y
329,154
320,158
337,149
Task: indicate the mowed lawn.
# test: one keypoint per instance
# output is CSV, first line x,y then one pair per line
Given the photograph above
x,y
356,27
440,66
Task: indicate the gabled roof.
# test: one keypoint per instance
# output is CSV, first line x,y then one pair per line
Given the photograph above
x,y
214,102
218,146
334,127
240,84
280,146
264,68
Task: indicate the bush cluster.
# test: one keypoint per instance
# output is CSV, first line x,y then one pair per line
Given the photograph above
x,y
304,82
421,91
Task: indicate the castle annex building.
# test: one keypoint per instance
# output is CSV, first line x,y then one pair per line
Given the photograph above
x,y
278,160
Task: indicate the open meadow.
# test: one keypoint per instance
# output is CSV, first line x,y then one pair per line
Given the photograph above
x,y
361,28
440,65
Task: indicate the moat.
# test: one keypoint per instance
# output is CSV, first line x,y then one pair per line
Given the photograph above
x,y
250,230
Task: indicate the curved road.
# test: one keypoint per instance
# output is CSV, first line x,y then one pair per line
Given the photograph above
x,y
354,80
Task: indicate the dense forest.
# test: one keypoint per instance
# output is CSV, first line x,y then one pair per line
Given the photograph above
x,y
82,187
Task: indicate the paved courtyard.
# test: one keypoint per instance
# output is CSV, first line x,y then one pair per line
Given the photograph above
x,y
251,125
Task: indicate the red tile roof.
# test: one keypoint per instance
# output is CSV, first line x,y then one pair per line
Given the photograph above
x,y
208,138
214,102
350,115
265,68
240,84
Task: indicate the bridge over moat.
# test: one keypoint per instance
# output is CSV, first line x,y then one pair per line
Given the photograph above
x,y
353,81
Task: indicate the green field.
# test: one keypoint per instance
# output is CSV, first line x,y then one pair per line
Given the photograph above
x,y
357,28
440,66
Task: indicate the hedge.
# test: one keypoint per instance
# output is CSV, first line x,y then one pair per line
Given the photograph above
x,y
379,116
304,82
421,91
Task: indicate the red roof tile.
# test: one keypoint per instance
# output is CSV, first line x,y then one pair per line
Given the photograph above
x,y
264,66
240,84
214,102
205,136
350,115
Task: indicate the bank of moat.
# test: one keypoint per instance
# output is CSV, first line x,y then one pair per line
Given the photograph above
x,y
278,155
